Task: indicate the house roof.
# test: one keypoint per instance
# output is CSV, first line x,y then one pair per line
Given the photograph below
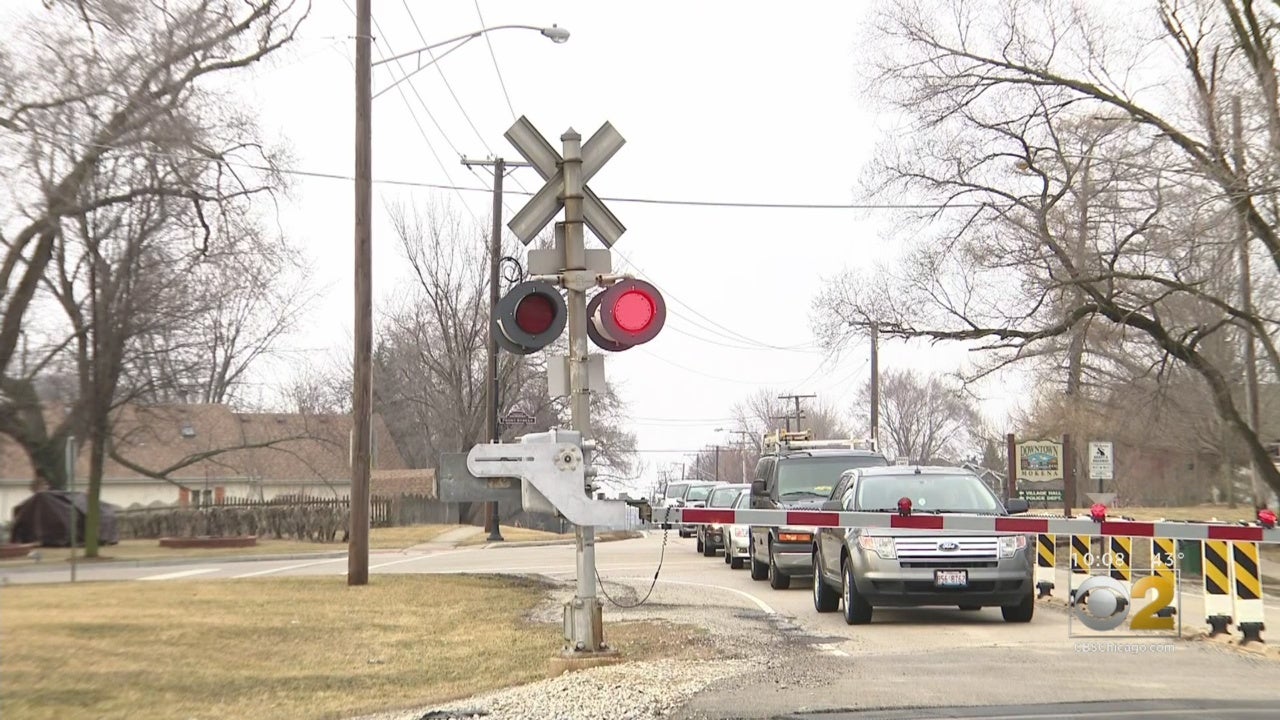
x,y
403,482
266,446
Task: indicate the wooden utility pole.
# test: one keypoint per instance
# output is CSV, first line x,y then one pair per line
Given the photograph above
x,y
362,402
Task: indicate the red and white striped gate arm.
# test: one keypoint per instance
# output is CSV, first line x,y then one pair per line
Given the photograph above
x,y
1253,532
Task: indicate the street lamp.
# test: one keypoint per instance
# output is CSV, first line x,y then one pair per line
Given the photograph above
x,y
362,381
555,33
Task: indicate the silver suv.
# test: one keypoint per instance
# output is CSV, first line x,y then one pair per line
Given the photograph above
x,y
862,568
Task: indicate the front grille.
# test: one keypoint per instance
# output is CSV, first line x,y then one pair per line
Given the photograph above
x,y
929,548
944,564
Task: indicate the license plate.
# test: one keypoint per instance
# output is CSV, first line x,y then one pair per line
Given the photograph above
x,y
951,578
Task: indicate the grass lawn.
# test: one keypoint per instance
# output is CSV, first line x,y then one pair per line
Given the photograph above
x,y
395,538
271,648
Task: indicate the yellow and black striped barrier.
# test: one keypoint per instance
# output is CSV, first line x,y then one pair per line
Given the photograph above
x,y
1164,564
1247,597
1081,560
1046,564
1119,552
1217,585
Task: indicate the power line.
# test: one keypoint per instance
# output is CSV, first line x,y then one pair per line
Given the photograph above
x,y
488,41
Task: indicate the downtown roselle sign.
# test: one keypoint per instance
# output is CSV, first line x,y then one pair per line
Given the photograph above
x,y
1039,461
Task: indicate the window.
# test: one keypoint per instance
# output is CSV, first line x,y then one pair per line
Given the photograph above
x,y
675,490
723,497
804,476
699,492
928,493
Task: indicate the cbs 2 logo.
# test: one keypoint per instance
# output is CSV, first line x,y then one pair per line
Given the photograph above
x,y
1102,603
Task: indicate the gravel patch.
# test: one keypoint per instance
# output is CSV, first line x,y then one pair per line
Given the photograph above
x,y
640,690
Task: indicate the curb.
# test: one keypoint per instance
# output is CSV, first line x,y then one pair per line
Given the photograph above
x,y
545,543
163,562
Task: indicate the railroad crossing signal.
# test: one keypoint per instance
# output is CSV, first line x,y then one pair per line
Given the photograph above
x,y
548,201
529,317
629,313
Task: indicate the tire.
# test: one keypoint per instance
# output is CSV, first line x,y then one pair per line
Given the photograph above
x,y
736,563
825,600
759,570
708,550
857,611
777,579
1022,612
970,607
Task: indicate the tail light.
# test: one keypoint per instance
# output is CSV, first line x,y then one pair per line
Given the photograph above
x,y
795,537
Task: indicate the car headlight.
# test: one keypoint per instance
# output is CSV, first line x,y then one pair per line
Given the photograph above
x,y
1011,544
882,546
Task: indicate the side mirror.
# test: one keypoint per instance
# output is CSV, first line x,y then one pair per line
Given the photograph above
x,y
758,488
1016,506
833,506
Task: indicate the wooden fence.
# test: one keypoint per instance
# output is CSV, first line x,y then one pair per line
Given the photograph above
x,y
295,517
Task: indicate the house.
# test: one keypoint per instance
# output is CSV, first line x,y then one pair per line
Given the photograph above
x,y
211,452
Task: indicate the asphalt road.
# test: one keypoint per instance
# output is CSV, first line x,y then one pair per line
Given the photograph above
x,y
905,658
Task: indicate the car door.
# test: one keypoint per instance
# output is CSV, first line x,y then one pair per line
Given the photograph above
x,y
760,535
831,539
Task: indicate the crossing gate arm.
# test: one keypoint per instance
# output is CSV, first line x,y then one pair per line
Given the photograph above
x,y
968,523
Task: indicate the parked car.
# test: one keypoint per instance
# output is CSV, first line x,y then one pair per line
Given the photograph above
x,y
711,536
737,538
859,569
674,492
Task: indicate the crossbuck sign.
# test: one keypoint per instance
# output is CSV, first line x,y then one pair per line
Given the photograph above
x,y
544,205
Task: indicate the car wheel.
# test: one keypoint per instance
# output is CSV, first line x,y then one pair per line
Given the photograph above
x,y
736,563
708,550
857,611
1022,612
777,579
825,599
759,570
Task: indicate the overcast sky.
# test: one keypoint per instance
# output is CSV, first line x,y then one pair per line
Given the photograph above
x,y
718,101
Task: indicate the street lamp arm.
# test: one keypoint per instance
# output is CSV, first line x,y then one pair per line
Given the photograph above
x,y
556,33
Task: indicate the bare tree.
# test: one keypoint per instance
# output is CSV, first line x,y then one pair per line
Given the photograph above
x,y
131,164
1063,216
924,418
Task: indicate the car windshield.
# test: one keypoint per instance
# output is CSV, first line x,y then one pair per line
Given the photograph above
x,y
928,493
804,477
742,500
699,492
723,497
676,490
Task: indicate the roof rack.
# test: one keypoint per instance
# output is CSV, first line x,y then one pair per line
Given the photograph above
x,y
783,440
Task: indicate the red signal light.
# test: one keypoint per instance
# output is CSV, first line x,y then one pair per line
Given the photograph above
x,y
633,311
628,313
529,317
904,506
535,314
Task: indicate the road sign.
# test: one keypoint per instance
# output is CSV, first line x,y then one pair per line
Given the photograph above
x,y
1041,496
544,205
457,484
518,417
1039,461
1101,461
